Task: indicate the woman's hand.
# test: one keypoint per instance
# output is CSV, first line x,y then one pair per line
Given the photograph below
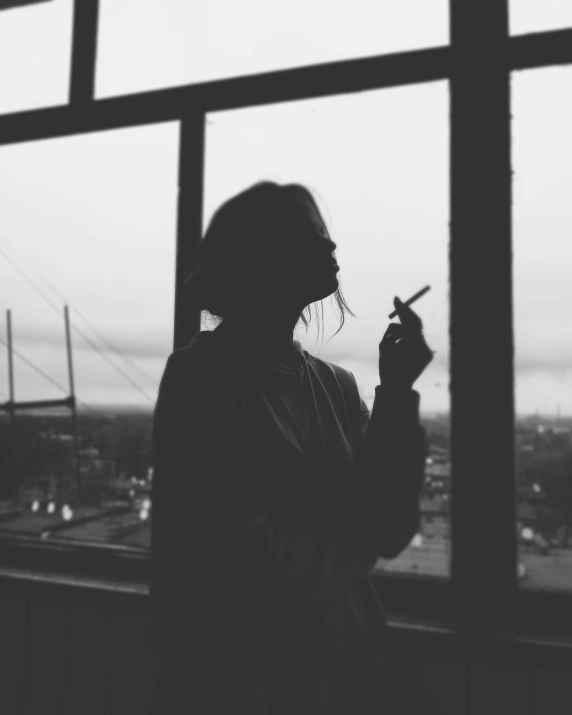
x,y
403,352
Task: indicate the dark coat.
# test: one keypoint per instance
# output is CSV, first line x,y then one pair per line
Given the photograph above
x,y
274,494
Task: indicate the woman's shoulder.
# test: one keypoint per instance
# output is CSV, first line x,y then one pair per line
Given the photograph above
x,y
324,367
335,377
198,352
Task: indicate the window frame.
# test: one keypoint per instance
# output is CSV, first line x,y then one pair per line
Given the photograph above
x,y
482,591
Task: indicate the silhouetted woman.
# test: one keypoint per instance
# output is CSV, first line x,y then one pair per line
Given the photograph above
x,y
275,492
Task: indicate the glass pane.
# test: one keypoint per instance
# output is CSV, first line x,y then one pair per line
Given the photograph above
x,y
147,44
88,222
377,162
35,55
543,324
538,15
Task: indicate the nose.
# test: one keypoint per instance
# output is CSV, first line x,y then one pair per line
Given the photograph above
x,y
331,246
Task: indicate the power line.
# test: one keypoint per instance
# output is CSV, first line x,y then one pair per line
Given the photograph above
x,y
54,382
110,345
119,370
107,342
30,281
57,309
94,347
35,367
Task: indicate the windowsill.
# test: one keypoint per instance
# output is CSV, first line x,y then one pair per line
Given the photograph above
x,y
437,638
73,590
431,626
431,638
62,579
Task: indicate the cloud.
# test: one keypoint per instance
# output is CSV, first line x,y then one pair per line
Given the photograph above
x,y
553,359
147,346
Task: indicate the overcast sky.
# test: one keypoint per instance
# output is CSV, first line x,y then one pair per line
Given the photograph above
x,y
74,211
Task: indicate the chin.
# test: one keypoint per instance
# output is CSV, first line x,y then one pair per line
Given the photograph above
x,y
329,286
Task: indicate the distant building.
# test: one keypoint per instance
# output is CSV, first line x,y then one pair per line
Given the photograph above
x,y
438,471
434,517
437,450
437,478
526,513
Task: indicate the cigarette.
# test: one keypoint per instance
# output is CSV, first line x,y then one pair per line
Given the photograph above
x,y
412,299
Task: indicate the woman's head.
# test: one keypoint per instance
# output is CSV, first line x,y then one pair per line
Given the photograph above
x,y
266,249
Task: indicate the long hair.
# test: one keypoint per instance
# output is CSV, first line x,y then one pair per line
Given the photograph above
x,y
238,237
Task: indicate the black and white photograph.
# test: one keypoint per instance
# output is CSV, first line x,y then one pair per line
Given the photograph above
x,y
285,357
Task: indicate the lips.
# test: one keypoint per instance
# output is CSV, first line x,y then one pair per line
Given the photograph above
x,y
328,262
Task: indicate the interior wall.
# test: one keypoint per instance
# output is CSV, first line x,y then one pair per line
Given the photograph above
x,y
68,660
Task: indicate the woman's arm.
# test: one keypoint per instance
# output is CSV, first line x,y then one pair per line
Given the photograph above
x,y
390,465
392,447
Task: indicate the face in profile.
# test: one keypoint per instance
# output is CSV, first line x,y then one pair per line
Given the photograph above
x,y
309,270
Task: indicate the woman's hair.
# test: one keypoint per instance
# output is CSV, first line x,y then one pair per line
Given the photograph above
x,y
242,238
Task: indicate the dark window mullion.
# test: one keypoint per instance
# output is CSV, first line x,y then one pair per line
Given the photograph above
x,y
541,49
483,567
354,75
163,105
84,48
189,219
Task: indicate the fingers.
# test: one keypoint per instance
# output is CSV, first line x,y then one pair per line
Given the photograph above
x,y
407,316
393,331
394,328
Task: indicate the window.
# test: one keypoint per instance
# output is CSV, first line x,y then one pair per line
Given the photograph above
x,y
35,50
371,158
149,44
538,15
87,222
542,297
374,83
